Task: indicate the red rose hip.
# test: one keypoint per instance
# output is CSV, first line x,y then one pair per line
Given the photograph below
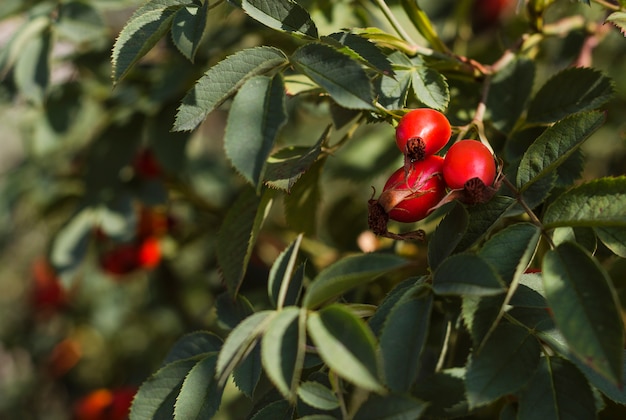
x,y
467,160
422,132
408,196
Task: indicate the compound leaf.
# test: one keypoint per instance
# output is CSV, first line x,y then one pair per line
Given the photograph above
x,y
466,274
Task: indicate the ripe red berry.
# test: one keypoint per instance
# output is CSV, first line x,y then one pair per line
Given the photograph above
x,y
149,254
466,160
409,196
121,260
422,132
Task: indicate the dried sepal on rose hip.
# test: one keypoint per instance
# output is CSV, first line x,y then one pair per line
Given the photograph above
x,y
470,171
408,196
422,132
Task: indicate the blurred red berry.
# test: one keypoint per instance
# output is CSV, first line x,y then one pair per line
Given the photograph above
x,y
47,293
146,165
120,260
149,252
105,404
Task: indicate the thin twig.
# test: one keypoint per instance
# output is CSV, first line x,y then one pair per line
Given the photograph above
x,y
394,22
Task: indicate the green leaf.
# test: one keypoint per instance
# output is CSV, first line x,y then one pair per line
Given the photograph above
x,y
505,364
347,273
483,218
282,350
403,337
555,145
152,5
584,236
287,165
510,250
619,20
160,389
240,341
237,235
572,90
598,203
480,315
616,393
80,22
444,391
557,390
466,274
231,310
318,396
275,410
28,32
193,344
199,397
430,87
280,288
347,346
613,238
256,116
448,234
302,204
391,407
376,322
69,245
223,80
343,78
509,92
32,68
585,308
138,36
188,28
363,49
247,374
281,15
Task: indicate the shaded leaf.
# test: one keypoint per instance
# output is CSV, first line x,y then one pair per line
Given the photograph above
x,y
302,204
193,344
199,396
188,28
347,346
240,341
256,116
275,410
32,68
483,217
555,145
282,15
504,365
364,50
247,374
222,80
318,396
139,35
557,390
347,273
343,78
598,203
279,285
237,236
282,350
572,90
430,87
286,166
480,314
585,308
232,310
509,92
159,391
444,391
448,234
390,407
377,321
510,250
613,238
466,274
403,337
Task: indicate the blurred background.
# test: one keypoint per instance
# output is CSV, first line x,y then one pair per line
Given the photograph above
x,y
92,179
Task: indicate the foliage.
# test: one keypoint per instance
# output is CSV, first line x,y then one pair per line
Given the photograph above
x,y
202,173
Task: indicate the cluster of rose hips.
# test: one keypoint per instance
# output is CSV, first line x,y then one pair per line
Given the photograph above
x,y
467,172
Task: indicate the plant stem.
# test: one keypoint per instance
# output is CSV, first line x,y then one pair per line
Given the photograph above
x,y
608,5
444,349
394,22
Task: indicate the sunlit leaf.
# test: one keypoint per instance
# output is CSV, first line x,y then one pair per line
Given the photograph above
x,y
430,87
318,396
391,407
347,346
597,203
32,68
343,78
282,15
619,20
555,145
614,238
199,396
286,166
585,308
188,28
347,273
279,285
363,49
223,80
